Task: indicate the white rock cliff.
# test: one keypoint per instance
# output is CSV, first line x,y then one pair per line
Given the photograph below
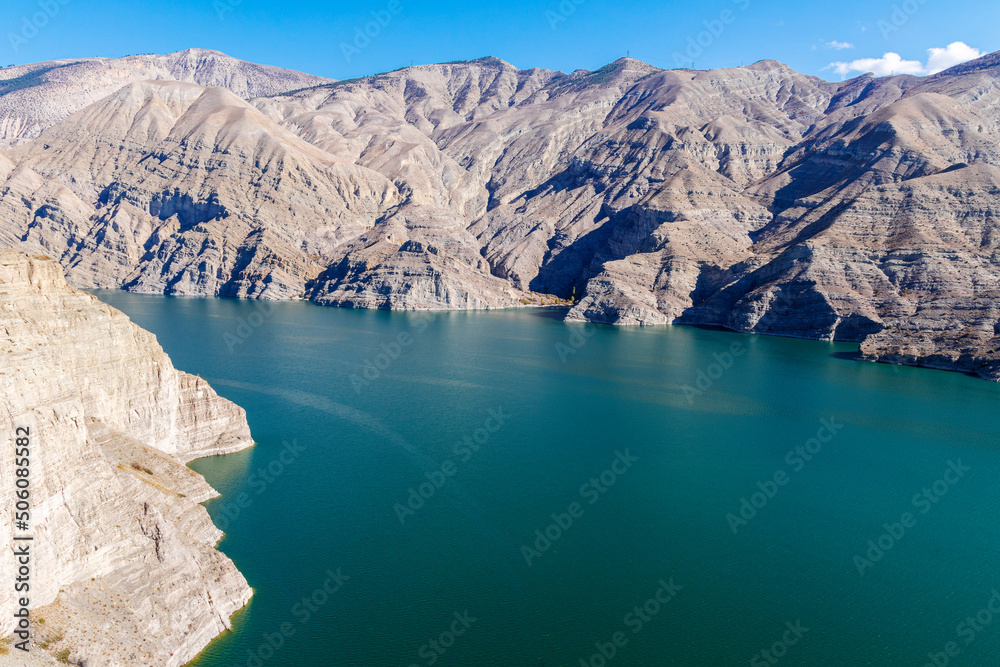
x,y
124,570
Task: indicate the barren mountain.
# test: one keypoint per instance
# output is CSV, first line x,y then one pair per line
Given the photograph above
x,y
35,96
754,198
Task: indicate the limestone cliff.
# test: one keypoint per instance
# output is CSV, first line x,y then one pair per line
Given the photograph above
x,y
124,570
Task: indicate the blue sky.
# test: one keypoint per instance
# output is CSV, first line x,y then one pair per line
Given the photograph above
x,y
327,38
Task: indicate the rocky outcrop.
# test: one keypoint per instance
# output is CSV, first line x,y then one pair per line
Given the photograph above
x,y
754,198
124,570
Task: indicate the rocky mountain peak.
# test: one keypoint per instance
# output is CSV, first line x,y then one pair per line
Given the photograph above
x,y
36,96
990,61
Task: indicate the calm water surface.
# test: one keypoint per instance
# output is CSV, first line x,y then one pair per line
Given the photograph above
x,y
571,406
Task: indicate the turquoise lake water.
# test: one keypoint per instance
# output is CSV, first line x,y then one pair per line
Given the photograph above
x,y
647,478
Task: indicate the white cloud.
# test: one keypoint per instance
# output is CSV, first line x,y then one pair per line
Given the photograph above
x,y
889,63
938,59
839,45
951,55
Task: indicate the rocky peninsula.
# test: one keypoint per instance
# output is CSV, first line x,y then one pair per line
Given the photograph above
x,y
123,565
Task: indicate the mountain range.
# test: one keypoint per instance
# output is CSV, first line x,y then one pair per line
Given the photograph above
x,y
754,198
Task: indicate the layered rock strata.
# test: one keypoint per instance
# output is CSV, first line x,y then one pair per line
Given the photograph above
x,y
124,569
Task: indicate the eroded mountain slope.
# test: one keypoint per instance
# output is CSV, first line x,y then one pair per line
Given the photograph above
x,y
755,198
36,96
